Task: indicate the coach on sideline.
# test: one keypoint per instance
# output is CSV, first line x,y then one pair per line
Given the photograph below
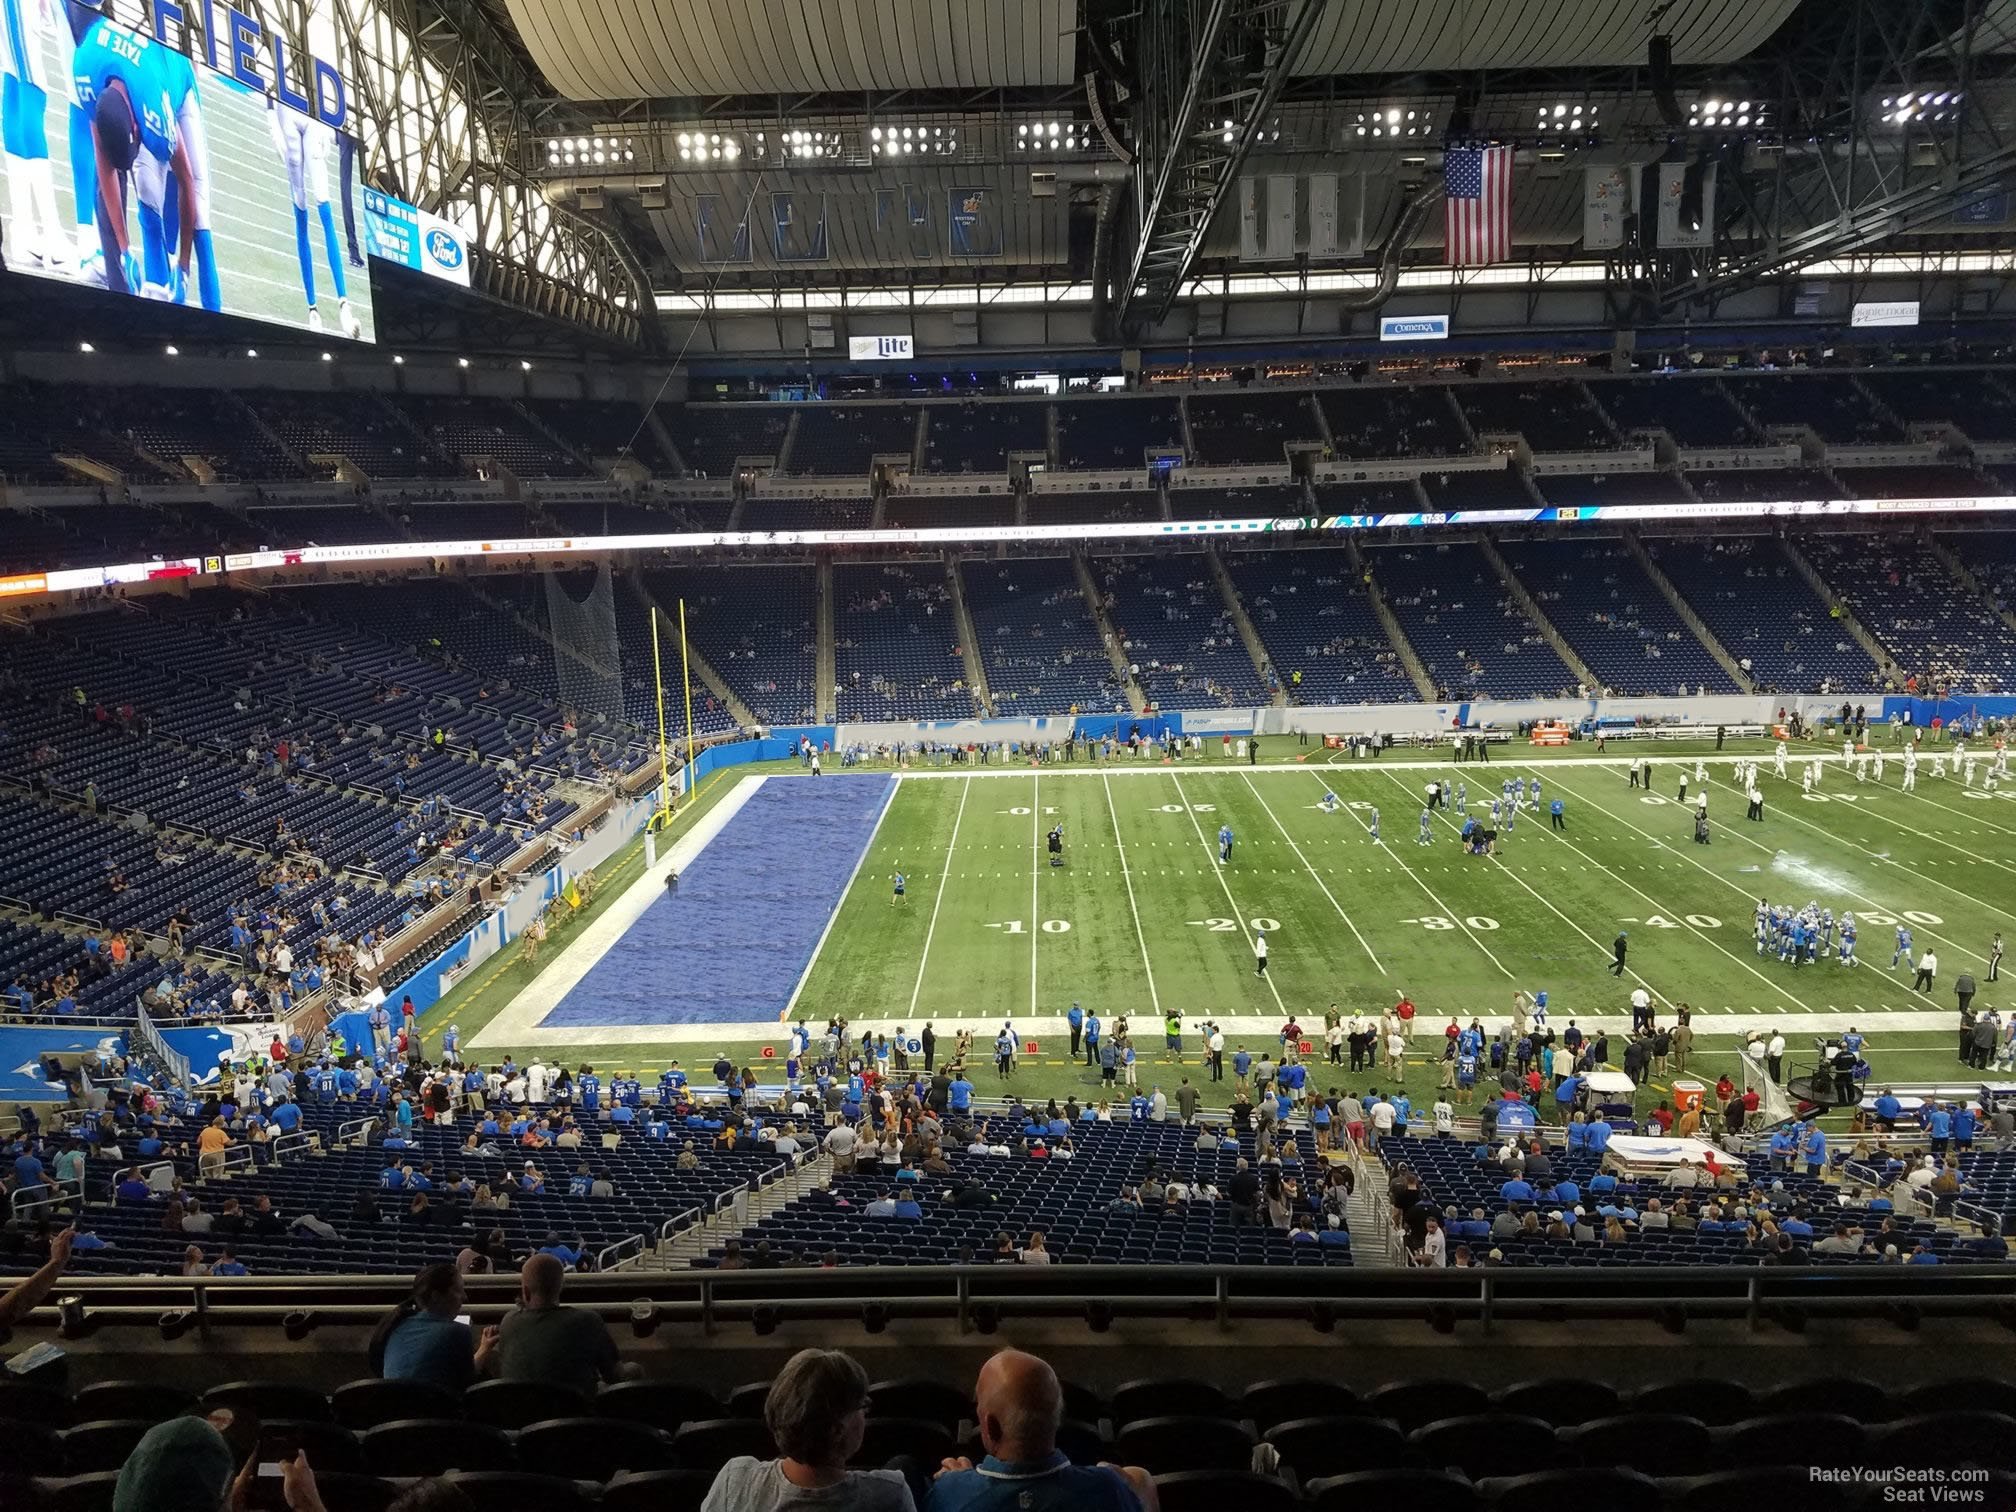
x,y
1019,1405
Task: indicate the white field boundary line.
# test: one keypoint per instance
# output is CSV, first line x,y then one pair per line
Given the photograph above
x,y
1983,797
1602,951
1127,877
1218,871
1035,879
671,1037
1317,878
944,880
1976,856
840,902
517,1023
1188,768
1680,918
1394,856
1849,844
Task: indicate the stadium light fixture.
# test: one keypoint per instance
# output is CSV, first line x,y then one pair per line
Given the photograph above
x,y
1567,117
524,364
913,141
1390,122
397,360
328,356
172,351
1059,136
572,152
1731,112
1914,106
86,347
251,351
462,362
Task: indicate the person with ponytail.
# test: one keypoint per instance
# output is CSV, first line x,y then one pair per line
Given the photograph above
x,y
428,1338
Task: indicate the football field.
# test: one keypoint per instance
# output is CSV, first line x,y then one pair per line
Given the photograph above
x,y
1142,918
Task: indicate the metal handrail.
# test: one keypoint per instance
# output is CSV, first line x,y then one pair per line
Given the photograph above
x,y
678,1223
951,1292
620,1254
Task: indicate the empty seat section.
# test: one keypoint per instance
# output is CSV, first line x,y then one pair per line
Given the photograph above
x,y
1756,604
1556,416
948,511
1904,596
711,437
1382,420
1578,490
360,428
480,429
1693,409
1316,620
1752,484
1463,624
822,513
756,628
977,437
1259,501
1614,617
1976,402
604,430
1916,480
1829,404
1041,645
840,441
1250,428
1116,432
896,645
1108,507
1174,625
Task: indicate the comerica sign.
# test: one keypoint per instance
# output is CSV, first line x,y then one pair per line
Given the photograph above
x,y
1414,328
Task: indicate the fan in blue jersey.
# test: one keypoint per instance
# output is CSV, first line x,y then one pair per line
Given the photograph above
x,y
303,145
123,90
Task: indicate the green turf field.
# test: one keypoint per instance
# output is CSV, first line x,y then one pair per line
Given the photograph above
x,y
1142,919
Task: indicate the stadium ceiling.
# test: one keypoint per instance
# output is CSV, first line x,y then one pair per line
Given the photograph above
x,y
914,146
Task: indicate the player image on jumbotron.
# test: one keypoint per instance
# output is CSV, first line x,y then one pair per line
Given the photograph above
x,y
184,183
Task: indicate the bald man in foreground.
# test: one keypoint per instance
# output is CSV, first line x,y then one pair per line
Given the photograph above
x,y
1019,1405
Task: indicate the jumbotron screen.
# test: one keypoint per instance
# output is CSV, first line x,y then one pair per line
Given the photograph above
x,y
134,168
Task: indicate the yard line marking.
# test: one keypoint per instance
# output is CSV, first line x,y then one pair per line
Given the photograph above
x,y
1394,856
845,893
1218,871
1313,873
1963,813
1928,835
1663,908
1142,940
1875,903
1600,948
1035,876
939,901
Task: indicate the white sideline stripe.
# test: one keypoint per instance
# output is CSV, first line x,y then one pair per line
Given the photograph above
x,y
1218,870
1127,877
839,902
518,1023
1122,767
1264,1033
1315,875
944,880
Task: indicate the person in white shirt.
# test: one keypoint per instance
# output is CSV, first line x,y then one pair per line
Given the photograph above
x,y
1928,968
1445,1117
1923,1174
1158,1107
1383,1113
1434,1247
840,1144
537,1079
514,1090
1396,1053
1774,1057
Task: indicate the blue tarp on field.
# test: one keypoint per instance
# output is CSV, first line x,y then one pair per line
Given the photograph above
x,y
730,945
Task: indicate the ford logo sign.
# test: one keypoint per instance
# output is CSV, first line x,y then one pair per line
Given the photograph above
x,y
445,248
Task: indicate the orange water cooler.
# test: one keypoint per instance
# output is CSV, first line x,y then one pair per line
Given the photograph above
x,y
1688,1096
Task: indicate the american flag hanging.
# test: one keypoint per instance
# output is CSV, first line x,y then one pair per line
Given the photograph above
x,y
1477,205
